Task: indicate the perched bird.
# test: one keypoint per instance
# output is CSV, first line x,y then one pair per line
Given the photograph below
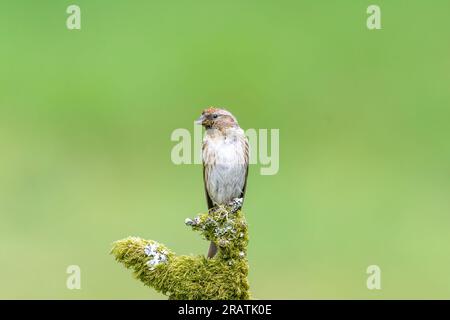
x,y
225,159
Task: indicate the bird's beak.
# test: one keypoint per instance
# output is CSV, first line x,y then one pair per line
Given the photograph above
x,y
200,120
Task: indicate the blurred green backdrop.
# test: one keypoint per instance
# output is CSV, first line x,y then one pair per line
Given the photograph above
x,y
86,118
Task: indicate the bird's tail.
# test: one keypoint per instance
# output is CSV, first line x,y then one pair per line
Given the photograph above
x,y
212,250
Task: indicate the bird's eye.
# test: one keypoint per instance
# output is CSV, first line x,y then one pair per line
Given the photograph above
x,y
215,116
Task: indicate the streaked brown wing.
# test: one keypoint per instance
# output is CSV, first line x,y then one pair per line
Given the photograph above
x,y
208,199
212,246
246,157
205,178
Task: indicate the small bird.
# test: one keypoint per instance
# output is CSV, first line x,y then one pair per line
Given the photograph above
x,y
225,155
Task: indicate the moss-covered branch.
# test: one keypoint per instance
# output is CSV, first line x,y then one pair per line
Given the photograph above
x,y
195,277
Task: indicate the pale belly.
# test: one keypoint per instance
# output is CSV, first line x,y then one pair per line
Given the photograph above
x,y
226,171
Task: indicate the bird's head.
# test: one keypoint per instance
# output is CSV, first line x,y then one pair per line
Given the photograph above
x,y
216,118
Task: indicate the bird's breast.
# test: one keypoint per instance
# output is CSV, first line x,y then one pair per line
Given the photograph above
x,y
225,168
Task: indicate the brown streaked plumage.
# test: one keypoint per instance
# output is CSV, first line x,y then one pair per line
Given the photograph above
x,y
225,159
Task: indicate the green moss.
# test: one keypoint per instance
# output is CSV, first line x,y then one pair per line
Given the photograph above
x,y
194,277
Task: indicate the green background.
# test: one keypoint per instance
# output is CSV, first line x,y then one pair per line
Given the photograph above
x,y
86,118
